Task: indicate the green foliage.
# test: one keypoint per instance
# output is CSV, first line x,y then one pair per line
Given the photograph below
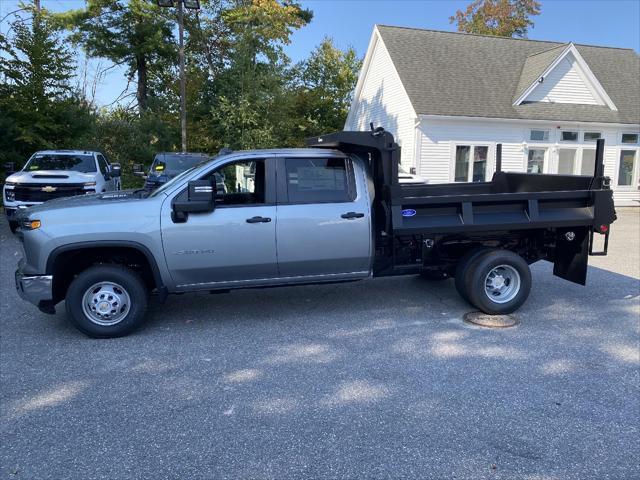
x,y
242,91
504,18
38,107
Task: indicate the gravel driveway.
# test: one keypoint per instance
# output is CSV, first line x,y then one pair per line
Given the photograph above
x,y
376,379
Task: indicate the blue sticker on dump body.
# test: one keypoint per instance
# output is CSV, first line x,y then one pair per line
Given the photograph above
x,y
409,212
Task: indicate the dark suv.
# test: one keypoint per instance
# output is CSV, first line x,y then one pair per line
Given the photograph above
x,y
167,165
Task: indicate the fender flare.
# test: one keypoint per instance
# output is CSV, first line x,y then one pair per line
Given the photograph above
x,y
108,243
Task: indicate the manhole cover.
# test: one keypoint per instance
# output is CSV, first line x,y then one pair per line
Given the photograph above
x,y
492,321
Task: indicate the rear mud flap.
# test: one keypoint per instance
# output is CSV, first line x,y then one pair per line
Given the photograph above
x,y
572,254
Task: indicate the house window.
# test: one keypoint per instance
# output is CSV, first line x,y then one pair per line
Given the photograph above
x,y
535,163
588,161
467,170
592,136
569,136
566,161
539,136
627,167
629,138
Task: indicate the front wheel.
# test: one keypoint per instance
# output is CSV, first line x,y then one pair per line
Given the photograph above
x,y
107,301
498,282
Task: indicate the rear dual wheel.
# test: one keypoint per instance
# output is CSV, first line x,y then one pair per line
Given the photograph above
x,y
494,281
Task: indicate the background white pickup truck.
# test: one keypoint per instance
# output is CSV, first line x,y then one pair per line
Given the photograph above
x,y
58,173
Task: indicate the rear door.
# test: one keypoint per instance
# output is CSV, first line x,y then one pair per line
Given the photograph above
x,y
323,223
109,181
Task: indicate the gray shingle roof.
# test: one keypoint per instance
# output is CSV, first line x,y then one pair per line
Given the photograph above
x,y
457,74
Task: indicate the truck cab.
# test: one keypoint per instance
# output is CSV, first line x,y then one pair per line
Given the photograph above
x,y
167,165
54,174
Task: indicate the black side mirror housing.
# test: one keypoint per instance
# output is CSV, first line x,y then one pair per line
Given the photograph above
x,y
138,169
115,170
201,198
10,168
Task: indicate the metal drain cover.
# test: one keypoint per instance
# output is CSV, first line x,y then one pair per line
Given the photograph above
x,y
491,321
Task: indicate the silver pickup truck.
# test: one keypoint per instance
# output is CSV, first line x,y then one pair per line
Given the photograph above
x,y
329,213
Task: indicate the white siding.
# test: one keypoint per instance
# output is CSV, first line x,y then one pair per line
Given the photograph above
x,y
383,101
565,84
437,140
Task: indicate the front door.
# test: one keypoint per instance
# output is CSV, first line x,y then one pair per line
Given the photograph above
x,y
323,218
234,244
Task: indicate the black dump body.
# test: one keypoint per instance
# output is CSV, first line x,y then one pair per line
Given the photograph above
x,y
551,208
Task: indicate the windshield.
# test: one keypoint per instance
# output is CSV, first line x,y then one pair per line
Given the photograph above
x,y
75,163
175,163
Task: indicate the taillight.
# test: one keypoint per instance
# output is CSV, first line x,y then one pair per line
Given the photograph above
x,y
604,228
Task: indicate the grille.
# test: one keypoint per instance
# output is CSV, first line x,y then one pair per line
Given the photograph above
x,y
32,192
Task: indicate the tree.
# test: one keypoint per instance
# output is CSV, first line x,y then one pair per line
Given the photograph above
x,y
38,105
135,33
326,83
504,18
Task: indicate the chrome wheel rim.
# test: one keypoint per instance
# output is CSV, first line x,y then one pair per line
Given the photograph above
x,y
106,303
502,284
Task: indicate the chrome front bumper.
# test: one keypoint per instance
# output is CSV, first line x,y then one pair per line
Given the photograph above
x,y
36,289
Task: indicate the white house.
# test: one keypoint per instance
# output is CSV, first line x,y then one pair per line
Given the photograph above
x,y
449,98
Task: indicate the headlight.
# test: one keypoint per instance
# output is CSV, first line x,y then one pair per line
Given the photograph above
x,y
9,195
10,184
90,184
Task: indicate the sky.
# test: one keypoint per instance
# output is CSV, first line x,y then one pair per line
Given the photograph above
x,y
613,23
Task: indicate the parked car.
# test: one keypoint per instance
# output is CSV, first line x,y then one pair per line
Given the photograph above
x,y
334,212
166,166
53,174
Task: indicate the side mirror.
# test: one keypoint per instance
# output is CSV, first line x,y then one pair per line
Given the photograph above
x,y
138,169
201,198
10,167
115,170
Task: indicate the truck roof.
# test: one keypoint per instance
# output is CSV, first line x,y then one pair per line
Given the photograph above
x,y
67,152
288,151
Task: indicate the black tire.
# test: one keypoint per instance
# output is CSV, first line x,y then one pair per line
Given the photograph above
x,y
13,226
463,268
434,275
505,261
119,276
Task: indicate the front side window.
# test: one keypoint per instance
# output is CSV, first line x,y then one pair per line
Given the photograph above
x,y
627,167
102,163
539,135
566,161
569,136
535,162
240,183
176,163
629,138
74,163
318,180
467,170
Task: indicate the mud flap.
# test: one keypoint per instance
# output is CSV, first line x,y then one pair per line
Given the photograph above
x,y
572,254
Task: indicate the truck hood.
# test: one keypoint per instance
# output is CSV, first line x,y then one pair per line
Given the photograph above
x,y
108,198
52,176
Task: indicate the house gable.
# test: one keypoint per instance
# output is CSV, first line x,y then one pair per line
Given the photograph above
x,y
380,98
567,79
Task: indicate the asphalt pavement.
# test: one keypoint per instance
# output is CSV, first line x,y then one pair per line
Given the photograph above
x,y
367,380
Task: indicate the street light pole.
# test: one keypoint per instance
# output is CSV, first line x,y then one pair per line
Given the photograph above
x,y
183,80
181,5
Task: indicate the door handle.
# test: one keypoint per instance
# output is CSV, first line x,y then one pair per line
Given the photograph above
x,y
351,215
258,220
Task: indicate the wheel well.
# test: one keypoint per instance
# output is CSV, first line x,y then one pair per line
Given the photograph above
x,y
68,264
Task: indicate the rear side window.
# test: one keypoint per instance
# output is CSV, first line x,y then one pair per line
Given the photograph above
x,y
319,180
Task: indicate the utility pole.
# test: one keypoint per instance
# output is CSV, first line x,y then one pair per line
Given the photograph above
x,y
181,5
183,80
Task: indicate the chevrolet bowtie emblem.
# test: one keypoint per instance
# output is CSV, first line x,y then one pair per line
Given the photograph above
x,y
49,189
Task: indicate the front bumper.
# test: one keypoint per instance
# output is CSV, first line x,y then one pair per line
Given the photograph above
x,y
13,211
36,289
